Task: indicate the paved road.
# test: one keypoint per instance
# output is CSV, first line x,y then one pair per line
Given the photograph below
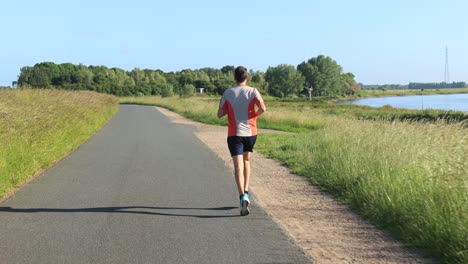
x,y
142,190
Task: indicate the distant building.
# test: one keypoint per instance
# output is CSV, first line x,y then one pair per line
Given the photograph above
x,y
200,90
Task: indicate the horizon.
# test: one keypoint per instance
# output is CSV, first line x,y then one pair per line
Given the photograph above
x,y
380,43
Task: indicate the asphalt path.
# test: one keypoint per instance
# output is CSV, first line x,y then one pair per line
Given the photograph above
x,y
142,190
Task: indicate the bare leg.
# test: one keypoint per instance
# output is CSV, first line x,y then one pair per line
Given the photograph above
x,y
246,171
239,173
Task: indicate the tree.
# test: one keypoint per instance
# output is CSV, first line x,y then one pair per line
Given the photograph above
x,y
39,78
121,83
142,83
284,80
228,70
171,78
185,77
43,75
157,81
257,80
101,82
167,90
351,86
25,75
223,83
86,76
323,74
187,90
67,75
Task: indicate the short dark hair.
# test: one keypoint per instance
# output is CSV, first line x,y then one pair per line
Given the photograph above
x,y
240,74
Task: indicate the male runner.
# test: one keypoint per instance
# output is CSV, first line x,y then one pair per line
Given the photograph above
x,y
239,103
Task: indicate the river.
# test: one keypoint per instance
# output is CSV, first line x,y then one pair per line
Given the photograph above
x,y
457,102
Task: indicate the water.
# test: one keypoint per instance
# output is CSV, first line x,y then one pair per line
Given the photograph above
x,y
457,102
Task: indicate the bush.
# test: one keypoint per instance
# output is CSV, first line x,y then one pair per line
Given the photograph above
x,y
187,90
167,90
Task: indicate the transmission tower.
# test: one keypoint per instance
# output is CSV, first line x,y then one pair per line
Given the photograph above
x,y
447,75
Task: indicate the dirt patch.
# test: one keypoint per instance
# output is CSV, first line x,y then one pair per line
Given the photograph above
x,y
327,231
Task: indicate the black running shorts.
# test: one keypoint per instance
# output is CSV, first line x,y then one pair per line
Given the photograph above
x,y
239,145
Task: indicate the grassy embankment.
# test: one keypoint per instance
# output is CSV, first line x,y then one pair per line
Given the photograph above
x,y
408,177
39,127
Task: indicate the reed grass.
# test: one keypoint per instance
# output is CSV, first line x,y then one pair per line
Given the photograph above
x,y
38,127
410,178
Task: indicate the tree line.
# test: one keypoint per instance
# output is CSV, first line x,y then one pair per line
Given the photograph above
x,y
413,85
321,73
383,86
441,85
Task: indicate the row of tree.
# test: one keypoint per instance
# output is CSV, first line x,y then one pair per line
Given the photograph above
x,y
442,85
321,73
383,86
412,85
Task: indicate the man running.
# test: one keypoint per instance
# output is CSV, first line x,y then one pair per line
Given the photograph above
x,y
239,103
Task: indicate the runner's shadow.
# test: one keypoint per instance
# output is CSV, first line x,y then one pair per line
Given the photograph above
x,y
145,210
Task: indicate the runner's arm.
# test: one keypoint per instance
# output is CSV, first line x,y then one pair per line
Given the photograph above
x,y
261,109
221,113
260,104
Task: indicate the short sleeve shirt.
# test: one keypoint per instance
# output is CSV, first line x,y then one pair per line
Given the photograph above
x,y
239,103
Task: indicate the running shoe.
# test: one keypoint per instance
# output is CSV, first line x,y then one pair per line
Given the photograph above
x,y
244,204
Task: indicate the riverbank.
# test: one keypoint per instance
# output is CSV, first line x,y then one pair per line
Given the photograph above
x,y
384,93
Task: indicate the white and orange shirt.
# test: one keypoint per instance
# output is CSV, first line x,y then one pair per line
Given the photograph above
x,y
239,103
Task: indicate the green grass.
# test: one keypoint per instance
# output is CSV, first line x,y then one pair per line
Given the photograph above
x,y
389,113
386,113
409,177
204,109
39,127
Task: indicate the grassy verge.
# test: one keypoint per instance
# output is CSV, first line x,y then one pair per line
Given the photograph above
x,y
38,127
203,109
409,177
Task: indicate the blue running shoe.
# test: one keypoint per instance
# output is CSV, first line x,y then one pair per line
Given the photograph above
x,y
244,205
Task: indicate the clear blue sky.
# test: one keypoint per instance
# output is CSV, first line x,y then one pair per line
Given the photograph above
x,y
387,41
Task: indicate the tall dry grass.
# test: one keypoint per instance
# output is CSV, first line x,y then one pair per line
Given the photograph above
x,y
38,127
410,178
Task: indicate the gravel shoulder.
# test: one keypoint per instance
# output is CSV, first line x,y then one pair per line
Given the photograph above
x,y
327,231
